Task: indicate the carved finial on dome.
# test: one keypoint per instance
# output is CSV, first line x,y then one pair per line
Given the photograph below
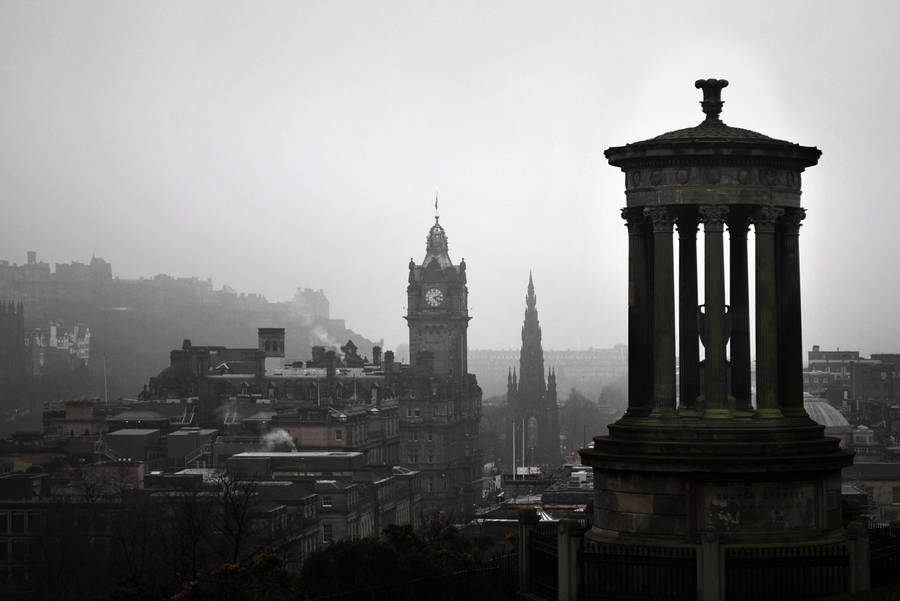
x,y
712,96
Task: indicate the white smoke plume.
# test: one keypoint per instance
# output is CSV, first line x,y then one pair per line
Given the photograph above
x,y
278,440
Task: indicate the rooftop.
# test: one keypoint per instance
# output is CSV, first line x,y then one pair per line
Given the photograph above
x,y
133,432
194,432
299,454
825,415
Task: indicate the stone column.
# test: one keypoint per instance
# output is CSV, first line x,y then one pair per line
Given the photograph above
x,y
568,547
738,224
715,328
766,313
860,557
640,390
688,340
710,581
790,358
528,520
663,312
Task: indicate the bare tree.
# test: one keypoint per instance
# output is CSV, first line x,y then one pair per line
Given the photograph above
x,y
236,518
190,516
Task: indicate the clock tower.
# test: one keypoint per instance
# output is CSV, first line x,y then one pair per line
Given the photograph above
x,y
437,310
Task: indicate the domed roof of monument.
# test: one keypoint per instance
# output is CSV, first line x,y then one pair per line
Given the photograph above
x,y
825,415
712,134
713,131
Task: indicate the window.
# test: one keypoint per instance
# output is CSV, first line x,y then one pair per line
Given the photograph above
x,y
327,533
412,456
338,434
413,436
895,498
430,458
409,412
326,501
416,412
34,521
17,552
430,438
4,522
18,522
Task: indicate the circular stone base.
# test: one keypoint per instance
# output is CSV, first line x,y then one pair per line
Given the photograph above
x,y
754,480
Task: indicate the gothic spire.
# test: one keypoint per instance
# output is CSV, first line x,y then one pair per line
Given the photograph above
x,y
531,360
530,298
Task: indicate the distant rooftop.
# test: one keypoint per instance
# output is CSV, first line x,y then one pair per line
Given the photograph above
x,y
299,454
137,416
133,432
825,415
194,432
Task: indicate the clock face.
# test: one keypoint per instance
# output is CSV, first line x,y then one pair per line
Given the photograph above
x,y
434,297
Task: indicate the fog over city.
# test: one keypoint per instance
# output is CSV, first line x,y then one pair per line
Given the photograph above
x,y
282,144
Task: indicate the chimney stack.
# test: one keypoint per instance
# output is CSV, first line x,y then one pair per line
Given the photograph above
x,y
318,356
376,355
389,370
330,365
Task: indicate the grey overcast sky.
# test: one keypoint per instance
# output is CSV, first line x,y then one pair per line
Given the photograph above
x,y
271,145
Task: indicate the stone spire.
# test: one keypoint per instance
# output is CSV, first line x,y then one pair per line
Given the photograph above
x,y
531,360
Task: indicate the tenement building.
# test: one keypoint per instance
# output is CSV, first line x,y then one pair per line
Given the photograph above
x,y
532,399
700,492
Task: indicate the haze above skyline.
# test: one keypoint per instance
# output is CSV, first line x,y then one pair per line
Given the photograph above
x,y
274,145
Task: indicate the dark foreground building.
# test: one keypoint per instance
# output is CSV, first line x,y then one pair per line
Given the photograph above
x,y
699,492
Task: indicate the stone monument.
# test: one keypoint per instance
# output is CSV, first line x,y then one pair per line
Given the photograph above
x,y
696,470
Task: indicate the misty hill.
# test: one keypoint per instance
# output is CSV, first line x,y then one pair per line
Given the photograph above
x,y
134,324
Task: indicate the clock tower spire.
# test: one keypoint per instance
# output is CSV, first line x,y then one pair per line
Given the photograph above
x,y
437,309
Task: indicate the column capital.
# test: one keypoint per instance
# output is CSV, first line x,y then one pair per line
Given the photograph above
x,y
713,217
662,219
790,221
765,218
634,219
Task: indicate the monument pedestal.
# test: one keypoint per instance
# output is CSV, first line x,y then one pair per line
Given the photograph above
x,y
754,502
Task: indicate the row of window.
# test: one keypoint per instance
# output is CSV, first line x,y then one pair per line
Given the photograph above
x,y
18,522
16,575
412,456
438,410
12,549
413,436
